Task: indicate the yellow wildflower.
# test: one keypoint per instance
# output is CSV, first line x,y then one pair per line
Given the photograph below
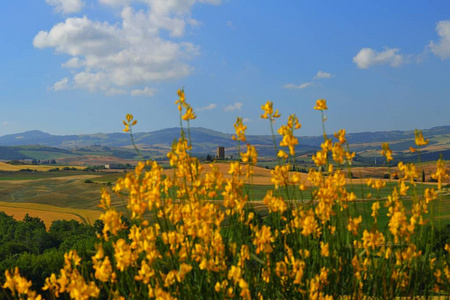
x,y
263,239
386,152
16,283
189,114
320,158
275,204
353,224
420,141
128,123
251,156
340,135
181,99
321,104
268,111
441,173
372,239
324,249
375,208
240,130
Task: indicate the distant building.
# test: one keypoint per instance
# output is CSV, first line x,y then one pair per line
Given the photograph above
x,y
221,152
114,166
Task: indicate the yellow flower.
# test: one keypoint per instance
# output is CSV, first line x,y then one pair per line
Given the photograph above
x,y
375,208
386,152
320,158
181,99
324,249
103,269
321,104
240,130
235,273
282,154
293,122
263,239
189,114
420,141
378,184
338,153
128,123
268,111
123,254
20,285
15,282
441,173
372,239
275,204
353,224
409,171
340,135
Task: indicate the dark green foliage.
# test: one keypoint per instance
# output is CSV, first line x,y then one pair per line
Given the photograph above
x,y
94,168
16,162
38,252
11,153
69,169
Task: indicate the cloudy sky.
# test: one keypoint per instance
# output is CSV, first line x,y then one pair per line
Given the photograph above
x,y
78,66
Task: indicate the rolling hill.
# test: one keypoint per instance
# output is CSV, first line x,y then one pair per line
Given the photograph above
x,y
204,141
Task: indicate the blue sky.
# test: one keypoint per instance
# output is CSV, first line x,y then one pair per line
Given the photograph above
x,y
78,66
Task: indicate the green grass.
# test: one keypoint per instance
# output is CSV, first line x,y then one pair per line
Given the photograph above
x,y
362,190
43,155
57,191
109,177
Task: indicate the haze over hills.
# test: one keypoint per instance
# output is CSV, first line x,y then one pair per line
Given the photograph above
x,y
367,144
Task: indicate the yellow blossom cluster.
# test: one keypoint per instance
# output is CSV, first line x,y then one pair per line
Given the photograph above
x,y
193,232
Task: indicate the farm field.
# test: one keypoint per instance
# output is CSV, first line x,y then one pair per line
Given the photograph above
x,y
8,167
54,195
48,213
76,194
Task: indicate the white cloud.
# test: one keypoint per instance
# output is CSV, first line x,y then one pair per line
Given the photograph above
x,y
149,92
367,57
299,86
246,120
5,123
208,107
442,47
235,106
114,91
63,84
73,63
66,6
323,75
133,52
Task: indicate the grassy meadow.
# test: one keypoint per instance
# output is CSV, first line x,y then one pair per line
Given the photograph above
x,y
53,195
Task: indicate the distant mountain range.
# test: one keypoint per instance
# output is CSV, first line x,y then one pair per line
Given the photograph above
x,y
366,144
